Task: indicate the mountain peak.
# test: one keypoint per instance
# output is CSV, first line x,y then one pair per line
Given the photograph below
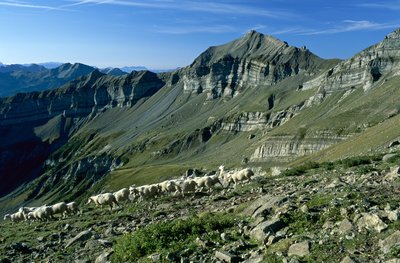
x,y
253,33
394,35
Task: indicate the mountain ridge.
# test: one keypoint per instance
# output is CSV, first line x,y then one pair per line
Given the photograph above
x,y
243,102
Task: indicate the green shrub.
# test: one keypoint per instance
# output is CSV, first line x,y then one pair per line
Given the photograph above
x,y
394,159
168,236
356,161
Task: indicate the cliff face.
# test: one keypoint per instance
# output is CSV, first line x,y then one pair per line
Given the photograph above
x,y
81,97
364,69
286,148
251,60
36,124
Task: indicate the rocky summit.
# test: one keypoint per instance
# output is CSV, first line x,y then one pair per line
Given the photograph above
x,y
258,151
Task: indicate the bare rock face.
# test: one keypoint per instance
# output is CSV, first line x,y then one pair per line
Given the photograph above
x,y
81,97
364,69
251,60
293,146
33,125
250,121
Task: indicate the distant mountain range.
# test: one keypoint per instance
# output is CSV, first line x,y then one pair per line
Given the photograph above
x,y
26,78
16,78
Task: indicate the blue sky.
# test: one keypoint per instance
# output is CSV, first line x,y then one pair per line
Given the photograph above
x,y
164,34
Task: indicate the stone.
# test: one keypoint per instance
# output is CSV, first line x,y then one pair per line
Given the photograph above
x,y
299,249
155,257
392,241
110,232
393,260
262,231
391,215
371,222
264,205
91,244
226,257
81,237
304,208
256,259
224,237
40,239
275,171
386,157
345,227
103,258
347,259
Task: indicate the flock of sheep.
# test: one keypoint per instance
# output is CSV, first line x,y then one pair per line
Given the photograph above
x,y
181,186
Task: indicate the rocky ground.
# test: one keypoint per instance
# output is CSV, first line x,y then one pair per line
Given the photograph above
x,y
333,212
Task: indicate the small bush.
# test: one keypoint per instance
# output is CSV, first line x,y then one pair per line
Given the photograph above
x,y
328,166
168,236
356,161
394,159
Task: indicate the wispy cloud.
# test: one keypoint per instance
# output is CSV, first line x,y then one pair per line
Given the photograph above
x,y
20,4
392,5
199,6
196,29
352,25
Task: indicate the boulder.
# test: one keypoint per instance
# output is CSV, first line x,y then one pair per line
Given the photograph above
x,y
347,259
264,205
392,241
299,249
81,237
386,157
227,257
345,227
371,222
262,231
103,258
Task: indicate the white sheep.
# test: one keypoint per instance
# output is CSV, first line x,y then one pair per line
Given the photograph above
x,y
59,208
169,186
239,176
187,186
148,191
26,210
145,191
121,195
103,199
16,217
72,208
41,213
207,182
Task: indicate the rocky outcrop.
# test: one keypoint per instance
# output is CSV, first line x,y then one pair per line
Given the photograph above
x,y
364,69
249,61
36,124
293,146
250,121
